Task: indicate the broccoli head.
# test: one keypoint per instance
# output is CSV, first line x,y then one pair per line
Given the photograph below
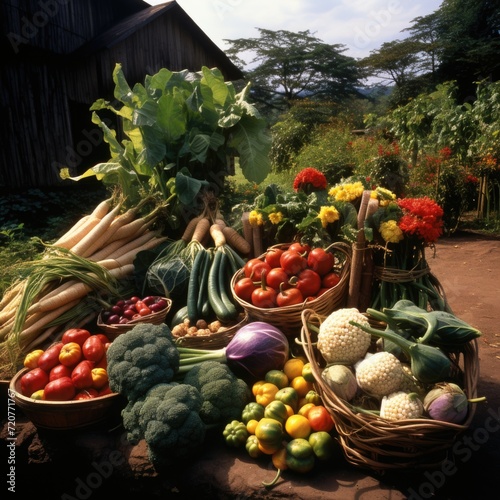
x,y
224,395
171,424
130,414
140,359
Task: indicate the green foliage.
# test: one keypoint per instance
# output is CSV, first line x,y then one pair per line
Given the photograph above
x,y
331,152
389,170
182,126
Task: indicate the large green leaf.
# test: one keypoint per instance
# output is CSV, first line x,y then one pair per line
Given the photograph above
x,y
187,188
252,143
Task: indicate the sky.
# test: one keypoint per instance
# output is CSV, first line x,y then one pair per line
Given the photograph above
x,y
359,25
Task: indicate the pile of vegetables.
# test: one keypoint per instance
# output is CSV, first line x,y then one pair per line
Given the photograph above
x,y
196,271
61,289
409,374
285,421
175,394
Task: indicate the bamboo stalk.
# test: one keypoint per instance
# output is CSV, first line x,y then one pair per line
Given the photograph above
x,y
357,254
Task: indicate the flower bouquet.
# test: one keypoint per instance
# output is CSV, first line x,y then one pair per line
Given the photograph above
x,y
310,213
399,232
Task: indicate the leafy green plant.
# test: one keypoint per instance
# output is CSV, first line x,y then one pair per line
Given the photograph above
x,y
180,129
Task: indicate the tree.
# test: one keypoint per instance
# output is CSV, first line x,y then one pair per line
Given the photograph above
x,y
287,66
397,63
425,31
469,33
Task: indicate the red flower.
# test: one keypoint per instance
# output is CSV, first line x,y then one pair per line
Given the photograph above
x,y
422,217
310,179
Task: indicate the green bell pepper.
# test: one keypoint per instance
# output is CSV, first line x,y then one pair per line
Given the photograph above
x,y
252,411
235,434
322,444
300,455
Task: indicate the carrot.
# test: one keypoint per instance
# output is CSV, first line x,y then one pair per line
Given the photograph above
x,y
217,235
90,238
132,229
123,247
220,222
72,237
238,242
83,225
190,228
128,258
11,293
116,224
45,319
201,230
77,291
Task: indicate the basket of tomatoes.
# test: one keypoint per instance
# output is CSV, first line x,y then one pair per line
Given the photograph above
x,y
122,316
288,278
65,386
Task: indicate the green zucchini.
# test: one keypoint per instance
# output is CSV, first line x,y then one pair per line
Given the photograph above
x,y
224,283
194,286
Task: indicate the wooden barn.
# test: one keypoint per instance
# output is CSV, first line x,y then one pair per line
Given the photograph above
x,y
58,58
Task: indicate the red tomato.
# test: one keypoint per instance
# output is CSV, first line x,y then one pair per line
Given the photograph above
x,y
93,349
105,390
320,419
254,267
302,248
320,260
142,308
59,371
34,380
81,376
292,262
277,276
289,297
78,335
329,280
272,256
103,338
86,394
50,357
61,389
243,288
308,282
264,296
71,354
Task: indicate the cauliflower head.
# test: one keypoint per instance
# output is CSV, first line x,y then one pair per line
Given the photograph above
x,y
140,359
379,374
341,342
401,405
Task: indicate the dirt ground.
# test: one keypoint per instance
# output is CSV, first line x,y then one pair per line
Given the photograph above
x,y
468,267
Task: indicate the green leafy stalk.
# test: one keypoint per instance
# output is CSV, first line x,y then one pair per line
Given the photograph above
x,y
428,363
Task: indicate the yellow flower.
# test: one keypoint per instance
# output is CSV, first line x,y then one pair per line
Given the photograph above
x,y
391,232
385,196
275,217
347,192
327,215
255,218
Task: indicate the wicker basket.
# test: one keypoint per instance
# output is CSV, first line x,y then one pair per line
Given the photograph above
x,y
288,318
372,442
66,415
216,340
112,331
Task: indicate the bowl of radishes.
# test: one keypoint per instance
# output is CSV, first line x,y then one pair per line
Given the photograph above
x,y
124,314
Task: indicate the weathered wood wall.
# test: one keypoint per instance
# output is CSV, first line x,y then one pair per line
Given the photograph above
x,y
53,74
